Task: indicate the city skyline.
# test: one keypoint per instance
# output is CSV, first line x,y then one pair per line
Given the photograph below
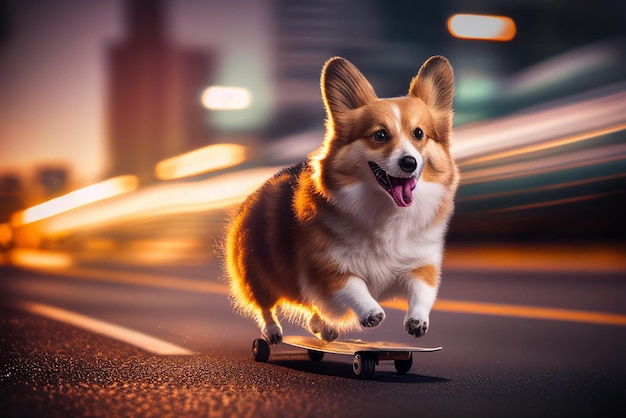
x,y
53,107
52,63
153,111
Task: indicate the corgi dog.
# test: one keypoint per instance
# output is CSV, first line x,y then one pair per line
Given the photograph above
x,y
362,220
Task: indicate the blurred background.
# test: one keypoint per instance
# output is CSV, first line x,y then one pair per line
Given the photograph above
x,y
130,128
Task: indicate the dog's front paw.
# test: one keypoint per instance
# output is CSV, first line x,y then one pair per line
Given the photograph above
x,y
416,327
372,319
273,333
329,334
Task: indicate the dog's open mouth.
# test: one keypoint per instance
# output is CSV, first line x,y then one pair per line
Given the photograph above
x,y
399,188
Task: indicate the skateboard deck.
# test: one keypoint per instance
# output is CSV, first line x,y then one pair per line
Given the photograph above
x,y
350,347
366,355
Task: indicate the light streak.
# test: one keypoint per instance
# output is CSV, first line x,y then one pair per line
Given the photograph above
x,y
81,197
546,145
216,193
577,159
520,311
444,305
40,259
147,280
203,160
571,122
536,258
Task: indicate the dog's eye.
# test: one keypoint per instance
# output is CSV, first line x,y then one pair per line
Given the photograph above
x,y
418,133
381,135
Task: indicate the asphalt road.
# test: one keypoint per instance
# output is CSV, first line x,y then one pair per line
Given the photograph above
x,y
505,353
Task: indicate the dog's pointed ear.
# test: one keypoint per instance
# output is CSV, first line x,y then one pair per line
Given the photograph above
x,y
434,84
344,87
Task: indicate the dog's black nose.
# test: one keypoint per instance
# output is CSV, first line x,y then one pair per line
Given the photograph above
x,y
408,164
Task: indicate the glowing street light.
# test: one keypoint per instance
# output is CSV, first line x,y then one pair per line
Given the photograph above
x,y
482,27
226,98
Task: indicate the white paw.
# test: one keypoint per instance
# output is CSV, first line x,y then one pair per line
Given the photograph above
x,y
416,327
329,334
372,319
273,333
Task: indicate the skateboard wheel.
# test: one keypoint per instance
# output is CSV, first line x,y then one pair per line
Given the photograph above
x,y
364,365
260,350
315,355
403,366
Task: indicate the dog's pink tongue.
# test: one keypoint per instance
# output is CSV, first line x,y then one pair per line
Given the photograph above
x,y
402,191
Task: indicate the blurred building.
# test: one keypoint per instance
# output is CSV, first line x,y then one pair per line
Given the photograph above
x,y
307,33
387,41
52,180
306,36
16,192
11,195
155,88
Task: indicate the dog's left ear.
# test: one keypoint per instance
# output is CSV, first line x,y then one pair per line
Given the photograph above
x,y
434,84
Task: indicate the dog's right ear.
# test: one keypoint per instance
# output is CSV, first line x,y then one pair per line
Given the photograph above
x,y
344,87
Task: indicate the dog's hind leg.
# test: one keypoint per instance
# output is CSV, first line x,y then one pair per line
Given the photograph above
x,y
322,329
270,327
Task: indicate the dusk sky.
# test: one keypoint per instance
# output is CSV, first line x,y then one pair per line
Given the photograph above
x,y
53,75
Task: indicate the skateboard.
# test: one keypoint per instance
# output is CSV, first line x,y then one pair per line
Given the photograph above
x,y
366,355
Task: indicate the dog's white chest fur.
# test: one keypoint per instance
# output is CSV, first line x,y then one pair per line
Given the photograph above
x,y
383,243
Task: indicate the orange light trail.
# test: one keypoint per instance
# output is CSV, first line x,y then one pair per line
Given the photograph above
x,y
519,311
564,258
444,305
40,259
161,199
203,160
81,197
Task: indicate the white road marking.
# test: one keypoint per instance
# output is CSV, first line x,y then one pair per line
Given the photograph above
x,y
129,336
